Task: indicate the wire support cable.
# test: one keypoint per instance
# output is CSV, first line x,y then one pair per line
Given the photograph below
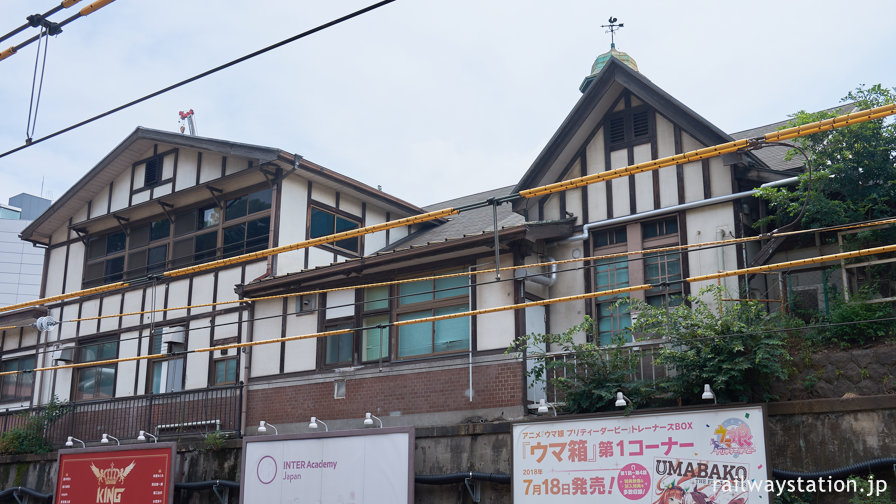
x,y
848,119
601,257
197,76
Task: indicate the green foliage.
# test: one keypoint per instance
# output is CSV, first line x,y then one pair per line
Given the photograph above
x,y
866,492
794,498
214,441
855,322
854,169
736,347
30,436
589,379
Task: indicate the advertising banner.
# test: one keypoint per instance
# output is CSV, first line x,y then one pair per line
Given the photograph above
x,y
346,467
125,474
701,457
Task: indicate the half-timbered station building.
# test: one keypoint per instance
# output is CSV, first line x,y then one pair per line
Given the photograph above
x,y
161,201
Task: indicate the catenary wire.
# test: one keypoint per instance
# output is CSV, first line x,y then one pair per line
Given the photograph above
x,y
481,311
655,251
818,126
200,75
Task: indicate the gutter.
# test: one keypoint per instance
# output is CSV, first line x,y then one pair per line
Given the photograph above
x,y
586,229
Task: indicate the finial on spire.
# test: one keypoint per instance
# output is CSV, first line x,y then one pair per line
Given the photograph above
x,y
613,28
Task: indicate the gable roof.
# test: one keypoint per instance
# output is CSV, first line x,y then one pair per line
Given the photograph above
x,y
774,156
134,147
614,78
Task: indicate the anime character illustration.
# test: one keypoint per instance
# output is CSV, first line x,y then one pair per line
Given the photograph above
x,y
675,493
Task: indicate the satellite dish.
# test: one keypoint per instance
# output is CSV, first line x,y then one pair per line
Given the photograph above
x,y
45,323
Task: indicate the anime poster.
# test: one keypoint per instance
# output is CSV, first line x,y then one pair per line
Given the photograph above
x,y
684,457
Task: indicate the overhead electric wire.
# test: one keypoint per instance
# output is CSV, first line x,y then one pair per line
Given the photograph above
x,y
55,28
54,10
484,311
197,76
845,120
672,248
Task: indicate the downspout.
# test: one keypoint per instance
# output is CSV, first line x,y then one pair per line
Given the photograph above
x,y
586,229
547,279
247,356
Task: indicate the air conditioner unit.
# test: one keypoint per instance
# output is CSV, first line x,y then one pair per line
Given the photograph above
x,y
64,354
173,336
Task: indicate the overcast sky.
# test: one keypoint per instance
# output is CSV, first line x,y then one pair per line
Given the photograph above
x,y
431,99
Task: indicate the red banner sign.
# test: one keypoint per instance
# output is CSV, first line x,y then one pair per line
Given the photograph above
x,y
116,475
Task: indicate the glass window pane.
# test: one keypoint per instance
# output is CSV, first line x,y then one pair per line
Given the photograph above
x,y
209,217
343,224
444,287
235,208
415,339
376,298
230,370
106,386
109,350
139,236
451,334
86,382
322,223
156,258
157,376
137,264
183,252
205,246
415,292
339,348
375,341
185,222
114,269
160,229
96,247
115,242
260,200
234,237
257,232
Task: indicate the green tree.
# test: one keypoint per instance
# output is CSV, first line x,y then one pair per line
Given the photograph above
x,y
585,375
30,436
853,169
736,347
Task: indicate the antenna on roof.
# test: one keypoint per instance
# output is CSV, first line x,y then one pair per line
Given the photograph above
x,y
613,28
188,118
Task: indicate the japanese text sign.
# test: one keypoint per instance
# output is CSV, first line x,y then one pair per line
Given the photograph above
x,y
654,459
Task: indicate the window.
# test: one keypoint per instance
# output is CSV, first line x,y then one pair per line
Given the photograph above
x,y
662,267
105,258
339,346
167,374
225,371
17,387
427,298
152,173
198,234
611,273
96,382
630,126
324,222
375,311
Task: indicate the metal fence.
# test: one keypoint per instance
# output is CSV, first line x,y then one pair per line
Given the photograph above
x,y
173,414
646,368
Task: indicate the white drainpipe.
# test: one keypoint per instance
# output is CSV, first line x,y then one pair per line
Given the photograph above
x,y
586,229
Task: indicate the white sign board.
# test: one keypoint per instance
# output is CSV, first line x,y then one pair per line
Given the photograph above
x,y
348,467
687,456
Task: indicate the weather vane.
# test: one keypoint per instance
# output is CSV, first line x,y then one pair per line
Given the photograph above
x,y
613,28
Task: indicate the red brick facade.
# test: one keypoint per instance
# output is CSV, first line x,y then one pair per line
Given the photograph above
x,y
495,386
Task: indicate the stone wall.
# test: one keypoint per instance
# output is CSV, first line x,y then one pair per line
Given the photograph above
x,y
838,373
804,436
